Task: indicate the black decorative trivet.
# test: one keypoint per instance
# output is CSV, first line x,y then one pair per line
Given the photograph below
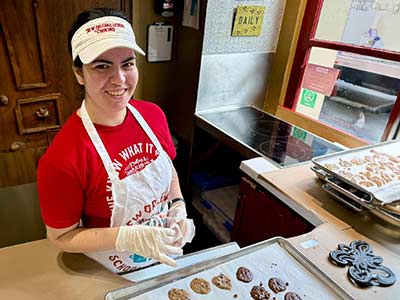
x,y
364,267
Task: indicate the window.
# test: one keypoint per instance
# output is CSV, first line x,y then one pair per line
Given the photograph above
x,y
346,69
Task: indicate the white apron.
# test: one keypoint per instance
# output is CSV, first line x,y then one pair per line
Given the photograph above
x,y
140,195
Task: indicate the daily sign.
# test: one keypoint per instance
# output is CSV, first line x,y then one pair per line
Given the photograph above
x,y
248,20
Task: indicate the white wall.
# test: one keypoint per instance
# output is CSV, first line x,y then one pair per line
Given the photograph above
x,y
235,70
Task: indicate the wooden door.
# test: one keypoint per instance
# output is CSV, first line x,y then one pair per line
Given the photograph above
x,y
37,88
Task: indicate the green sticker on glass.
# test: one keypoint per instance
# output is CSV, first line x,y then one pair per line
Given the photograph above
x,y
308,98
299,134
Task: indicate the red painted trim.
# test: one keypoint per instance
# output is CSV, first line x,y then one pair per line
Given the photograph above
x,y
312,7
392,119
374,52
317,14
298,88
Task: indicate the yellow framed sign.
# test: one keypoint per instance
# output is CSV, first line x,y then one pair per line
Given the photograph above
x,y
248,20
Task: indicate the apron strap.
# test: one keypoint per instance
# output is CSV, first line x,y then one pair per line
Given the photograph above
x,y
146,127
98,144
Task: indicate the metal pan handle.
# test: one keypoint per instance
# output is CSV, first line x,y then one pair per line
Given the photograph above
x,y
335,193
320,173
388,217
346,192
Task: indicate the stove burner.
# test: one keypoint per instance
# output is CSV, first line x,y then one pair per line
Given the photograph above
x,y
280,147
273,149
257,114
365,268
264,128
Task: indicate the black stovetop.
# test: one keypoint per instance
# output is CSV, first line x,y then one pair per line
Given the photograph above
x,y
279,141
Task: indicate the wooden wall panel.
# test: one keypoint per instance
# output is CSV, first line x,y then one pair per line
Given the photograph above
x,y
21,35
20,166
20,218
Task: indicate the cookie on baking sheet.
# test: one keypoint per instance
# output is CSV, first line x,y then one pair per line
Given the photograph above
x,y
292,296
277,285
200,286
222,281
178,294
258,292
244,274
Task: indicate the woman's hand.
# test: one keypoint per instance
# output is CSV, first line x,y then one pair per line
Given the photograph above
x,y
177,211
148,241
177,217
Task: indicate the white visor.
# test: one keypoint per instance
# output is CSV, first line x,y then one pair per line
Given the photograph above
x,y
100,35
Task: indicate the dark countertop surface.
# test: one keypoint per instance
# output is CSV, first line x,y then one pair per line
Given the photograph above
x,y
265,135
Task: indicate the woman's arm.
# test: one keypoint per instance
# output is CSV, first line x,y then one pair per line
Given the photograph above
x,y
76,240
175,189
149,241
177,213
177,209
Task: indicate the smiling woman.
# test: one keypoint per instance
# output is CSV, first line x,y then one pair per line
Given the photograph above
x,y
125,211
110,81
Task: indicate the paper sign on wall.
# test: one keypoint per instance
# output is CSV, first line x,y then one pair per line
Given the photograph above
x,y
159,42
308,98
248,20
320,79
309,103
191,12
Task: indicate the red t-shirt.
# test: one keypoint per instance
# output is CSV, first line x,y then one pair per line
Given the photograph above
x,y
72,182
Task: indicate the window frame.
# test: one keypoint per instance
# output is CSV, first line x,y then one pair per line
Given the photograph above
x,y
306,40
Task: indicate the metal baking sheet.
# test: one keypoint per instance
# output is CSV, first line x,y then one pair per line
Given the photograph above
x,y
356,199
385,156
354,205
320,173
272,258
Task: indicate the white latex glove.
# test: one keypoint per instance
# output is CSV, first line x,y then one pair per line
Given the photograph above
x,y
177,211
177,220
148,241
185,229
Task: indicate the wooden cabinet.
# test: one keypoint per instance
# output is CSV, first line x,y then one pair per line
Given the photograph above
x,y
260,215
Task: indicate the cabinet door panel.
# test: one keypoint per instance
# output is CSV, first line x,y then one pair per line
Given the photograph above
x,y
260,216
23,44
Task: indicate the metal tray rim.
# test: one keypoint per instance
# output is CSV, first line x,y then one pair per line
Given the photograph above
x,y
340,153
373,207
366,203
373,202
157,282
333,192
317,160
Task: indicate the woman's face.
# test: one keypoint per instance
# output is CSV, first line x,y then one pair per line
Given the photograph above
x,y
110,80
